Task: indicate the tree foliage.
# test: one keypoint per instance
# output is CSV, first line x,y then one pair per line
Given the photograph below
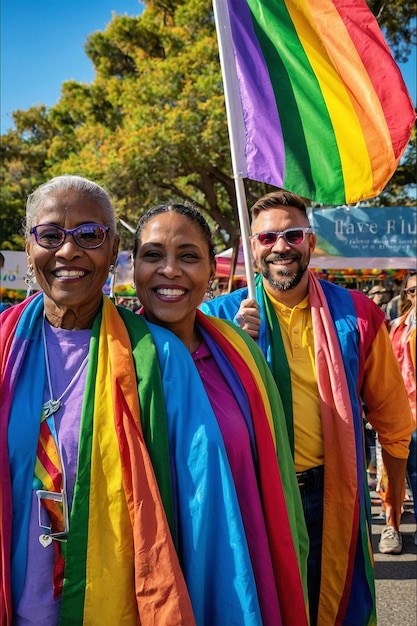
x,y
397,19
152,125
23,153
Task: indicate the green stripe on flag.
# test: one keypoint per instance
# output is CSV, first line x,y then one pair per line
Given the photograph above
x,y
305,121
73,595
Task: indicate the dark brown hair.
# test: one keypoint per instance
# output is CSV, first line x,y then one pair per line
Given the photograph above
x,y
276,199
405,304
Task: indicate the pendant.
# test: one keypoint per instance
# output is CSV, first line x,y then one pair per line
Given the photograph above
x,y
45,540
50,407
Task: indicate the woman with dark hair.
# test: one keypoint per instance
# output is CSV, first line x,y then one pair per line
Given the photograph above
x,y
237,517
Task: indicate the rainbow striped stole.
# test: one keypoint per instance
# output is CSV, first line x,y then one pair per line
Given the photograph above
x,y
278,485
347,585
344,329
120,559
48,477
48,473
325,111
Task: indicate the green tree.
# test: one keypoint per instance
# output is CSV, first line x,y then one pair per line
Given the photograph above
x,y
397,20
23,153
397,191
159,82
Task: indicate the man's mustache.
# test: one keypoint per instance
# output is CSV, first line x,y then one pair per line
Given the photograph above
x,y
272,258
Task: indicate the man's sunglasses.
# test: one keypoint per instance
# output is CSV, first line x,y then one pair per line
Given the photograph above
x,y
410,291
291,236
88,236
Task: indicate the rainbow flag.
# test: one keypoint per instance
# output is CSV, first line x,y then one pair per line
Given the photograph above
x,y
317,103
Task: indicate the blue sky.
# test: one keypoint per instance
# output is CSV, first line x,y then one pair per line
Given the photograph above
x,y
42,45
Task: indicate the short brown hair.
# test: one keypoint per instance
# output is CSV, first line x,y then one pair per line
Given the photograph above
x,y
275,199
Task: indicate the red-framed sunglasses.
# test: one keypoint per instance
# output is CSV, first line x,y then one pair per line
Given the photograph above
x,y
291,236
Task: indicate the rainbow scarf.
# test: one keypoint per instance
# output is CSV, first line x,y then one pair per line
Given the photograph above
x,y
120,559
323,107
343,332
48,476
234,350
213,532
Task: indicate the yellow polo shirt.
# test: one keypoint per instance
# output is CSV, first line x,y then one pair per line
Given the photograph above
x,y
297,335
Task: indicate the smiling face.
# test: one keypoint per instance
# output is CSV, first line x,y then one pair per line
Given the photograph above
x,y
71,277
283,266
172,271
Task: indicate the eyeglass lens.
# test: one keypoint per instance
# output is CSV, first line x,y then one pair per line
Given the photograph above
x,y
86,235
291,236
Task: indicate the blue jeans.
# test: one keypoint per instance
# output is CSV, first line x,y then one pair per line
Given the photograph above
x,y
412,469
312,500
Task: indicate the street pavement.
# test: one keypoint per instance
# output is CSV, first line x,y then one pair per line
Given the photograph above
x,y
395,574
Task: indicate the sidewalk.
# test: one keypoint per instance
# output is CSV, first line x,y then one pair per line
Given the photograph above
x,y
395,574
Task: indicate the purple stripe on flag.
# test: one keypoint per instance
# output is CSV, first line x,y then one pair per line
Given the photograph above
x,y
265,154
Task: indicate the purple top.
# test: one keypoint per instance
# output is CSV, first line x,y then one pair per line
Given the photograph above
x,y
237,443
66,351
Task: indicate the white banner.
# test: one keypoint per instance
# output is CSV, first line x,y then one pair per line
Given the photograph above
x,y
13,273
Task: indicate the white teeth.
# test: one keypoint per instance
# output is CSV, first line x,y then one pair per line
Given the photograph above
x,y
68,274
171,293
282,261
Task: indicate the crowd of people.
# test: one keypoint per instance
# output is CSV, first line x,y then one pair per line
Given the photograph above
x,y
391,300
196,461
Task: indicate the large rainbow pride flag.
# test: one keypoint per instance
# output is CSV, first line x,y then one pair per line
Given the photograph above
x,y
317,103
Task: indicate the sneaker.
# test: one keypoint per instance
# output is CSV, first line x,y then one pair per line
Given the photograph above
x,y
390,542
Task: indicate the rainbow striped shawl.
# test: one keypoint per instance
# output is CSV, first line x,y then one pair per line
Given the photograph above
x,y
120,559
208,525
344,328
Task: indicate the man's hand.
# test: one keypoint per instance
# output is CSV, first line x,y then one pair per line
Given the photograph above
x,y
248,317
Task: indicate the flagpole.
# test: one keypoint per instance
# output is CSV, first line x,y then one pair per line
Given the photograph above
x,y
245,233
127,226
236,130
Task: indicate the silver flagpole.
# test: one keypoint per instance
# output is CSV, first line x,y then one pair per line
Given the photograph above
x,y
236,130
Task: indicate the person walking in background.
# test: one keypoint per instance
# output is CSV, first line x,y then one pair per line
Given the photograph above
x,y
403,338
83,534
393,305
403,341
239,524
380,296
325,345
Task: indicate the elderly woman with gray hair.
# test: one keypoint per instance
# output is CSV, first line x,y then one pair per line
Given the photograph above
x,y
84,537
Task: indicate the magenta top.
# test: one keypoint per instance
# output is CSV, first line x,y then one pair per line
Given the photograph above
x,y
237,443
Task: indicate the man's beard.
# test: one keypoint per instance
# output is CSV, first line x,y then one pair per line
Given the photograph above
x,y
287,279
